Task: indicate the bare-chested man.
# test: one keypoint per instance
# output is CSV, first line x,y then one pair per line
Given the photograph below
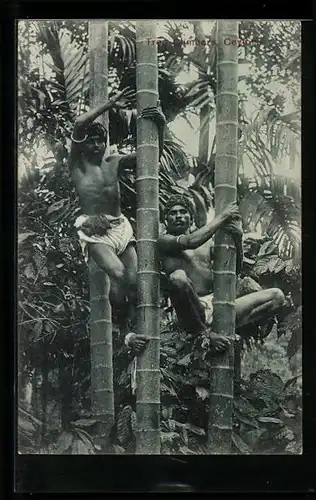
x,y
105,233
185,259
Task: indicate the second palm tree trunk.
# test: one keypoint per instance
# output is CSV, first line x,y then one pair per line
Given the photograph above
x,y
102,396
147,186
222,369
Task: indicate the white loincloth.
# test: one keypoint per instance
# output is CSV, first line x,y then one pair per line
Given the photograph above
x,y
207,302
118,236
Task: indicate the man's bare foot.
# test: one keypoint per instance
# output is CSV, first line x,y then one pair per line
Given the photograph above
x,y
136,342
214,342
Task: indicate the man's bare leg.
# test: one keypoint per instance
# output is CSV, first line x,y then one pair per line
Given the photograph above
x,y
190,312
106,259
258,305
129,261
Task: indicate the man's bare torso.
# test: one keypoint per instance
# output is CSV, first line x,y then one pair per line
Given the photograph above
x,y
195,263
98,187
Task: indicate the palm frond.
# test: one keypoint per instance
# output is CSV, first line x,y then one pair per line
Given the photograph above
x,y
205,121
173,160
171,43
274,132
199,94
123,48
278,213
69,63
76,70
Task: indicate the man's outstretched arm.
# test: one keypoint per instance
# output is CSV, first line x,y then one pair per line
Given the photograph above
x,y
118,100
128,162
168,242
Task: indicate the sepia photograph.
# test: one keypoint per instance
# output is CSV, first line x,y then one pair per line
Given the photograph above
x,y
159,295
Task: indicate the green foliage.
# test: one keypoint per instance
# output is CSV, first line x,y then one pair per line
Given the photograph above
x,y
122,46
273,49
267,408
268,415
270,355
53,305
292,326
75,442
263,263
53,314
29,431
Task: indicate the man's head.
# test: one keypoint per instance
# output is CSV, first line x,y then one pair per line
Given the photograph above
x,y
179,214
95,143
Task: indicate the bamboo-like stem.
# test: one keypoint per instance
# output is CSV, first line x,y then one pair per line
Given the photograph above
x,y
204,134
98,52
222,372
148,373
102,395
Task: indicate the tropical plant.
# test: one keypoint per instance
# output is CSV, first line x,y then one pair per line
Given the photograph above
x,y
264,268
267,415
53,293
266,411
273,50
54,365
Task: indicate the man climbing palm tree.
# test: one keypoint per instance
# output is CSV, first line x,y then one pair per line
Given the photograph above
x,y
189,273
105,233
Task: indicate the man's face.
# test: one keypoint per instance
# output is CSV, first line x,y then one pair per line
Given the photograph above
x,y
95,146
178,220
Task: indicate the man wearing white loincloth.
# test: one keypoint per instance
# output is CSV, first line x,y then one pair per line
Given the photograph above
x,y
188,270
117,232
105,234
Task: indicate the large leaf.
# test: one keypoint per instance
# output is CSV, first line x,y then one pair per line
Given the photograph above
x,y
122,45
266,204
272,132
70,64
76,68
240,444
22,237
64,443
84,422
270,420
28,425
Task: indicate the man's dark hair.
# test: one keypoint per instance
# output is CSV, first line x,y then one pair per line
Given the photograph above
x,y
184,201
98,129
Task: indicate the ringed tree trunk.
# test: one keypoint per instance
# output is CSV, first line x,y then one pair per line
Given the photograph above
x,y
205,111
222,370
102,395
147,187
204,135
98,52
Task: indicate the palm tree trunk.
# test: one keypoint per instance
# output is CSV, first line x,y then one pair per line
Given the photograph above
x,y
102,395
205,111
98,49
204,134
148,373
222,370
